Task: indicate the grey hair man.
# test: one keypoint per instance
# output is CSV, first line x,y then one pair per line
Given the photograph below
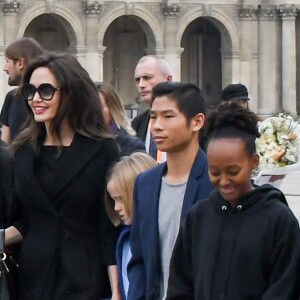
x,y
150,71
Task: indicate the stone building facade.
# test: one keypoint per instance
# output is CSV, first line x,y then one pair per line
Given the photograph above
x,y
208,42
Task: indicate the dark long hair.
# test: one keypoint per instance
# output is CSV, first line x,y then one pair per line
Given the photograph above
x,y
80,106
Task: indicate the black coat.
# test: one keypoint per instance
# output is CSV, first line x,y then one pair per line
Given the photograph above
x,y
69,235
250,252
14,112
129,144
5,185
140,124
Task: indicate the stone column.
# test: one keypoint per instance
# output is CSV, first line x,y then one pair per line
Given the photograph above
x,y
91,10
10,11
230,66
288,14
268,91
254,70
10,29
248,38
170,13
80,55
101,50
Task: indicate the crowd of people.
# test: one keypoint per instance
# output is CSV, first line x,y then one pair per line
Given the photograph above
x,y
95,206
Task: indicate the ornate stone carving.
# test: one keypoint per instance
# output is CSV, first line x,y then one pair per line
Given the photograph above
x,y
50,6
206,9
246,11
267,12
91,7
11,6
130,8
288,11
169,10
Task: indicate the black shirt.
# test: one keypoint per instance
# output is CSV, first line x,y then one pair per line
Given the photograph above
x,y
14,113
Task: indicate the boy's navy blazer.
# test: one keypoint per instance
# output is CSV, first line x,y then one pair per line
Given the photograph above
x,y
144,269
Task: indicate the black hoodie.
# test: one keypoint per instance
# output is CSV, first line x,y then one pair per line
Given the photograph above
x,y
249,252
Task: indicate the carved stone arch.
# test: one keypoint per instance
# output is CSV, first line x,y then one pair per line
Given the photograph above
x,y
220,51
228,29
229,32
153,29
59,10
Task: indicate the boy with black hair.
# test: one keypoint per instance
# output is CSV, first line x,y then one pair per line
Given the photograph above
x,y
164,194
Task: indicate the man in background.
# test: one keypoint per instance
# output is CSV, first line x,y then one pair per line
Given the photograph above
x,y
14,112
150,71
236,92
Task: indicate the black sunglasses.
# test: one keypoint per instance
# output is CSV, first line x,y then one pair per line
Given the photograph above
x,y
45,90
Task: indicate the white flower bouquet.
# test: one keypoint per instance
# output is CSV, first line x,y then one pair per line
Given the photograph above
x,y
278,145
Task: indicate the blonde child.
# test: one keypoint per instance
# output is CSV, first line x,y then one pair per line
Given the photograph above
x,y
119,205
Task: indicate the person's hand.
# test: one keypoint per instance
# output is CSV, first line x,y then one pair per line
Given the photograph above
x,y
12,236
114,282
116,295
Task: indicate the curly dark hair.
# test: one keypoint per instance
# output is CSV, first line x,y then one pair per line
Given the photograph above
x,y
230,120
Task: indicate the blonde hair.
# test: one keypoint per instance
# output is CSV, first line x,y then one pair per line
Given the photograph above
x,y
115,106
123,174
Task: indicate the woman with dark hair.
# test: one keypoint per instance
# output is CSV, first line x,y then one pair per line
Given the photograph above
x,y
60,166
243,241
